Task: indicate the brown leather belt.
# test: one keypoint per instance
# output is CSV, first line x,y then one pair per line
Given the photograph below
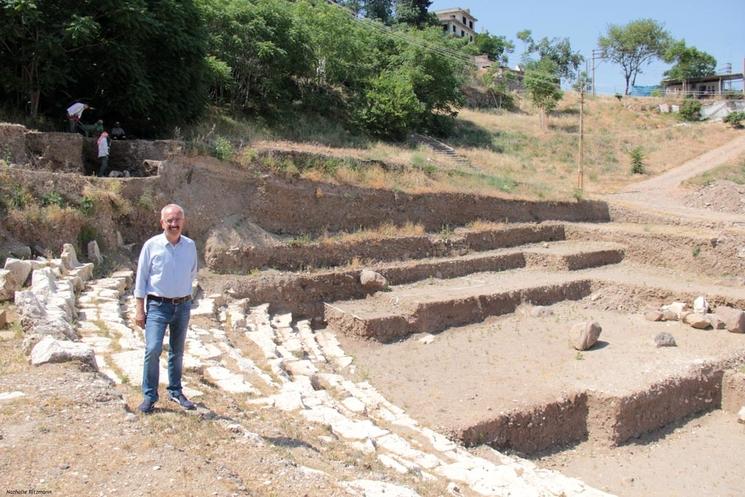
x,y
169,300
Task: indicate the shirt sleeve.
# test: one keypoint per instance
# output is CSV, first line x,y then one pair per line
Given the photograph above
x,y
143,272
194,266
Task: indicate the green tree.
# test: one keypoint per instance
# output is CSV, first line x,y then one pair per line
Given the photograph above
x,y
634,45
141,62
542,85
493,46
689,62
558,50
415,13
381,10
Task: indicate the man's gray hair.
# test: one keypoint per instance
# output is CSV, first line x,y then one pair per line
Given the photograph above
x,y
169,207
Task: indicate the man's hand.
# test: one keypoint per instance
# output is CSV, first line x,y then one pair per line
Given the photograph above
x,y
140,319
140,312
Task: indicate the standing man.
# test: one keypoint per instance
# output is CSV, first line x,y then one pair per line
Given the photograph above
x,y
104,145
165,271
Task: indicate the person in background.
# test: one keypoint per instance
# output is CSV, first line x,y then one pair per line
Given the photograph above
x,y
165,271
103,144
74,112
117,132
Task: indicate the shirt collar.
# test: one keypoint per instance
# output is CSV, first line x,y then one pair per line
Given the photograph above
x,y
164,241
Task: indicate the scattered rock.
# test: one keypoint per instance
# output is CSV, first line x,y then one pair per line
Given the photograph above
x,y
698,321
665,339
734,319
371,280
582,336
741,415
669,315
50,350
8,285
427,339
653,315
94,253
19,269
716,322
678,308
700,305
3,319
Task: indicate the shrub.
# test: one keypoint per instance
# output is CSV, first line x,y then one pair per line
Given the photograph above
x,y
637,161
52,198
735,119
222,149
690,110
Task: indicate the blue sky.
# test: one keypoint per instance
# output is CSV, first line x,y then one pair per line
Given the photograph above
x,y
714,26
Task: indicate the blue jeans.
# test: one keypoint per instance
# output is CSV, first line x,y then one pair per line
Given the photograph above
x,y
162,315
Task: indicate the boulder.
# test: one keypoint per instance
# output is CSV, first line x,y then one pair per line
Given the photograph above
x,y
741,415
664,339
698,321
94,253
50,350
19,269
700,305
653,315
582,336
3,319
69,257
370,280
669,315
8,285
734,319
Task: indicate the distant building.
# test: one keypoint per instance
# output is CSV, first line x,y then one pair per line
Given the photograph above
x,y
458,22
706,86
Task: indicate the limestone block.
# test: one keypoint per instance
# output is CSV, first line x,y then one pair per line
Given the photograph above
x,y
126,274
669,315
84,271
700,305
540,311
677,307
741,415
29,307
698,321
50,350
734,319
57,328
94,253
69,257
42,282
582,336
664,339
372,281
20,269
8,285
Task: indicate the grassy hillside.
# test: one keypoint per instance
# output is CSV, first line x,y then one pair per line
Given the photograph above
x,y
507,153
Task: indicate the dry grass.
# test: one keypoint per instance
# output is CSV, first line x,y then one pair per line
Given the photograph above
x,y
733,171
386,230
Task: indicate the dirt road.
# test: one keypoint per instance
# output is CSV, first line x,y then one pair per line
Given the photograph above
x,y
664,195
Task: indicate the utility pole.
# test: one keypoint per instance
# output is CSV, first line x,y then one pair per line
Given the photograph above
x,y
580,167
597,54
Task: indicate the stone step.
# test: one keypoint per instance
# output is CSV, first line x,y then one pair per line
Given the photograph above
x,y
436,305
331,253
304,293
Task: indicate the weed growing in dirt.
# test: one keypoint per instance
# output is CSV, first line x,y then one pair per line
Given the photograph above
x,y
696,251
578,194
86,205
637,160
579,357
446,232
301,240
222,149
52,198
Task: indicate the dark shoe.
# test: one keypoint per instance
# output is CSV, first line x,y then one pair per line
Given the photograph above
x,y
181,400
147,406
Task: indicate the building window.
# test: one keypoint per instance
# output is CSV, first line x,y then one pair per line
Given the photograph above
x,y
470,38
470,24
445,27
453,28
464,20
462,33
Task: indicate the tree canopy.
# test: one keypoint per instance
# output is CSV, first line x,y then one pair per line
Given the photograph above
x,y
559,50
634,45
689,62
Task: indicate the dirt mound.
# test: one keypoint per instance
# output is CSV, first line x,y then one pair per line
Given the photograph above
x,y
235,239
721,196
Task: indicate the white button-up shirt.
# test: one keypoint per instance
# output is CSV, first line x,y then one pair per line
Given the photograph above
x,y
165,269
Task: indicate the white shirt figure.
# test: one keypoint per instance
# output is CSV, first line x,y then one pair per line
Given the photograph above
x,y
76,110
103,145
